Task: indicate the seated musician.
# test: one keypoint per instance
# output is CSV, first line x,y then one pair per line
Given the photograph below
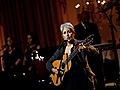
x,y
32,47
11,63
75,71
31,50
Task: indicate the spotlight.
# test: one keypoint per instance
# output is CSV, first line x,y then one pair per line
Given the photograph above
x,y
77,6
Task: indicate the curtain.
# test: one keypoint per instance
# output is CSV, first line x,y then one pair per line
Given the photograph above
x,y
2,38
41,16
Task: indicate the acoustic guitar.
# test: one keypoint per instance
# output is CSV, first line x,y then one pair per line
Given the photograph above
x,y
64,65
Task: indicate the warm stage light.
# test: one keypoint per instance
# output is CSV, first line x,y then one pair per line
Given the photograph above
x,y
87,3
104,1
23,73
77,6
98,1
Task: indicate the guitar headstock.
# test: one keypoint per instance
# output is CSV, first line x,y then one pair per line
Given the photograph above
x,y
88,40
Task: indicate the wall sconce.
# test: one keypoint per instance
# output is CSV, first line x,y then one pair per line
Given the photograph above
x,y
102,2
87,3
77,6
98,1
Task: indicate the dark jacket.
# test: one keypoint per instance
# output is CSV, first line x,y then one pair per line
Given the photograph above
x,y
81,56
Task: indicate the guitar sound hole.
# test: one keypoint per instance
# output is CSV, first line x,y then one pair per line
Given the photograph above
x,y
63,65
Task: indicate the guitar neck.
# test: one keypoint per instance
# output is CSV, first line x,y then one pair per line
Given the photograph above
x,y
71,56
85,42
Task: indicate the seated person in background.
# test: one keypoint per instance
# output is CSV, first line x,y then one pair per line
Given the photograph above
x,y
31,51
11,61
32,46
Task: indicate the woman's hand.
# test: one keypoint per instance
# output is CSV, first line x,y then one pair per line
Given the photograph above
x,y
3,70
12,66
81,48
30,68
56,71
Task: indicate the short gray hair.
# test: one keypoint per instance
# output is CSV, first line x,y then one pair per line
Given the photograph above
x,y
68,25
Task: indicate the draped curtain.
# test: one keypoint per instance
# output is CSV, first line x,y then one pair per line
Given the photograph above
x,y
41,16
2,39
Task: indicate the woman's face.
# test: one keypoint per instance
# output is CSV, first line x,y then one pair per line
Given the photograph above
x,y
9,41
67,34
29,39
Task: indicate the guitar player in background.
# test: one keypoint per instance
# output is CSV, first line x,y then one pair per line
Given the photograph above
x,y
83,29
11,63
76,75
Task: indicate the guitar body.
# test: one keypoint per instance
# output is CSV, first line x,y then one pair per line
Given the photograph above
x,y
65,64
57,79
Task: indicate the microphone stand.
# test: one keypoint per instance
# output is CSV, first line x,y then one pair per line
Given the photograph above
x,y
112,27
